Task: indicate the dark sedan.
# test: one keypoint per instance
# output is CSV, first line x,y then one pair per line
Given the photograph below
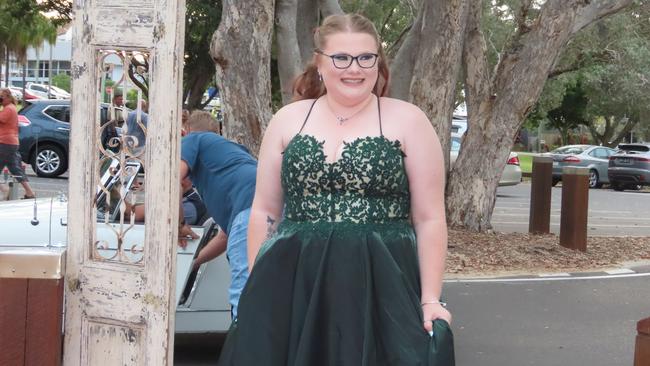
x,y
630,167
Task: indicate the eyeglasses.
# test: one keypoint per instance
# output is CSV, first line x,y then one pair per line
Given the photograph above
x,y
343,60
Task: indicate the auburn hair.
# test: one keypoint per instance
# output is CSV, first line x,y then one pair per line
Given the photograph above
x,y
308,84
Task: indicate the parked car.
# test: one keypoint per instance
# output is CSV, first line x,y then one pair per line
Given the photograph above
x,y
511,173
17,93
202,304
47,92
630,167
596,158
44,134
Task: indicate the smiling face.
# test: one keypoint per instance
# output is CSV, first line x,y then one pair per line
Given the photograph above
x,y
354,84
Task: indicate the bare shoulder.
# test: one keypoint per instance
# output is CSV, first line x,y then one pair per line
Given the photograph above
x,y
292,114
287,120
403,118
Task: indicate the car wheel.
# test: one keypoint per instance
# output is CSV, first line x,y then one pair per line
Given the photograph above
x,y
594,181
49,161
555,181
617,186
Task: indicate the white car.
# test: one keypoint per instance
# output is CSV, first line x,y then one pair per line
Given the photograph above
x,y
202,296
511,173
41,90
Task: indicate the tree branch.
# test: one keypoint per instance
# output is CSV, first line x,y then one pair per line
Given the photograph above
x,y
385,22
401,69
305,25
521,16
595,10
289,60
477,74
398,42
329,7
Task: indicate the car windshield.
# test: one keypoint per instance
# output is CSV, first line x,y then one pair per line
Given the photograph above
x,y
565,150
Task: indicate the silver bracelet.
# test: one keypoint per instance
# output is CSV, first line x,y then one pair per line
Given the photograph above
x,y
443,304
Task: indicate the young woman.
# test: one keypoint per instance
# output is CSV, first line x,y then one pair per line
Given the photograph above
x,y
352,274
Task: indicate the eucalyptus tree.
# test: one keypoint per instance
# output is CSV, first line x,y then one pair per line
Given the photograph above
x,y
445,40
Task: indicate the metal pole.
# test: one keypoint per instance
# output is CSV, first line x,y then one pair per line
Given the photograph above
x,y
575,202
49,74
540,195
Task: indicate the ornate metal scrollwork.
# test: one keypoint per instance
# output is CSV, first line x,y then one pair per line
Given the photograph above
x,y
120,141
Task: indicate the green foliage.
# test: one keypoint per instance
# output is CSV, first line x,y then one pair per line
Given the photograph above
x,y
202,19
62,81
131,98
390,17
610,63
572,111
22,25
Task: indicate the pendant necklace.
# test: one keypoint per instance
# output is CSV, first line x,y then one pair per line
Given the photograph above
x,y
341,120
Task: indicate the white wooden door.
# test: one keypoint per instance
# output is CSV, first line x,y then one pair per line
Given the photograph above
x,y
120,292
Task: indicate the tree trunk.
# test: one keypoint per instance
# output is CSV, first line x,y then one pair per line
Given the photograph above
x,y
289,58
496,116
402,66
433,86
241,49
197,84
306,23
329,7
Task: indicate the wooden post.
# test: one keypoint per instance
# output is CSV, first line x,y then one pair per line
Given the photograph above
x,y
540,196
575,207
642,349
31,310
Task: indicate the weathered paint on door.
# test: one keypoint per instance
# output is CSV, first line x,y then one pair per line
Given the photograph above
x,y
120,311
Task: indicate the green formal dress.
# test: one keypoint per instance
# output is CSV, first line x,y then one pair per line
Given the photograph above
x,y
338,284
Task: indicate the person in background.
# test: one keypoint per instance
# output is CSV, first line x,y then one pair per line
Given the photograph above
x,y
185,115
9,156
136,124
224,174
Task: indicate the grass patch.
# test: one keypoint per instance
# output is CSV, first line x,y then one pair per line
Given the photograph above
x,y
526,163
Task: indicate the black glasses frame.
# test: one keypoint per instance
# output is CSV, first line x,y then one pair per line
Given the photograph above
x,y
352,59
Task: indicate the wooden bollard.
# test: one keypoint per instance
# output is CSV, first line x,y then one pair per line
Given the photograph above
x,y
575,208
642,348
540,195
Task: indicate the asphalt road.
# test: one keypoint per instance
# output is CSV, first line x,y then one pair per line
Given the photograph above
x,y
540,322
561,322
610,212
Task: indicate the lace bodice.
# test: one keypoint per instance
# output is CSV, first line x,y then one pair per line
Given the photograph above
x,y
368,184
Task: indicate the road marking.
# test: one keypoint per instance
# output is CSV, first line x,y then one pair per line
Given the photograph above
x,y
561,274
619,271
558,224
540,279
594,211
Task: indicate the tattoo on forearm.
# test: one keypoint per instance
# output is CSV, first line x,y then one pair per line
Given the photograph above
x,y
271,227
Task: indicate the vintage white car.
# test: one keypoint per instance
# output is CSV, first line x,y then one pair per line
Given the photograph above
x,y
202,295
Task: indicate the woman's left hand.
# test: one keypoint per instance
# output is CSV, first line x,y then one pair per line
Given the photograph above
x,y
431,312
